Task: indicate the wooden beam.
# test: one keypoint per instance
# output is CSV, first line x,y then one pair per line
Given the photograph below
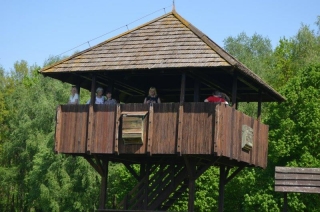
x,y
259,106
93,89
183,88
58,130
123,85
116,142
165,193
191,167
196,95
150,130
234,90
90,128
180,127
95,166
132,171
104,185
208,81
222,182
234,174
285,202
146,185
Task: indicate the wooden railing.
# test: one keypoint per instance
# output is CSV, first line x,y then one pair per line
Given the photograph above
x,y
168,128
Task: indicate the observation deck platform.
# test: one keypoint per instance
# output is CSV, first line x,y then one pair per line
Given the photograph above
x,y
138,132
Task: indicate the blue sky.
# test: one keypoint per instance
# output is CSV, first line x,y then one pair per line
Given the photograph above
x,y
35,30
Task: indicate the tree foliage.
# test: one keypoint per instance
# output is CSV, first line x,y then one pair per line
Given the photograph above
x,y
34,178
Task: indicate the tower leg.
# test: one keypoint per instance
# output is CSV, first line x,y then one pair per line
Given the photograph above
x,y
191,194
104,185
222,181
191,167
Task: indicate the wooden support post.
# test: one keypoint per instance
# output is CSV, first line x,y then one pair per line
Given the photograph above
x,y
78,89
180,124
234,174
191,167
146,186
180,121
191,194
90,128
58,130
118,116
222,181
94,165
93,89
183,88
196,95
150,130
104,186
285,202
234,90
259,106
132,171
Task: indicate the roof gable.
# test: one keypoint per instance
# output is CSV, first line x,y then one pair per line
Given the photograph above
x,y
165,42
168,44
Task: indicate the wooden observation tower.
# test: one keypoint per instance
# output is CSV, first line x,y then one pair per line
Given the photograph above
x,y
173,142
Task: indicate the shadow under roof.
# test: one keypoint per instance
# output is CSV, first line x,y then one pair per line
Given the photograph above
x,y
155,54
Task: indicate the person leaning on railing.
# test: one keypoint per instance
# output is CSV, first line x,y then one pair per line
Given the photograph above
x,y
74,97
218,97
152,96
99,97
108,100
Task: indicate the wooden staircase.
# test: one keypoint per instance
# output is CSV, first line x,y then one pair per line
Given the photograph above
x,y
160,185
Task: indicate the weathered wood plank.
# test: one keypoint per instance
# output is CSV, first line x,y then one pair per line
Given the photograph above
x,y
150,129
180,130
116,142
165,128
90,128
297,189
286,182
300,180
58,130
297,170
300,176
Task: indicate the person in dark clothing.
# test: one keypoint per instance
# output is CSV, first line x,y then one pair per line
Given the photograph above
x,y
152,97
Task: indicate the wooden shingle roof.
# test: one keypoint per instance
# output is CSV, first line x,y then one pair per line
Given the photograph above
x,y
163,43
167,43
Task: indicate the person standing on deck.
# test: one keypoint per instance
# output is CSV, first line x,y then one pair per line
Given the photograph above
x,y
217,97
109,100
74,97
152,97
99,96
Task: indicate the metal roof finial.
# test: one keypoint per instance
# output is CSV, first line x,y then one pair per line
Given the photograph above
x,y
173,6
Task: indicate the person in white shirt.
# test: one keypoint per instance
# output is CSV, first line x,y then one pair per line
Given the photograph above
x,y
74,97
99,97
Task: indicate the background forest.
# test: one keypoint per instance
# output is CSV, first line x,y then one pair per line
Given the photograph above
x,y
34,178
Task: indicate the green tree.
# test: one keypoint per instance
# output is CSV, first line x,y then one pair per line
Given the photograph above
x,y
294,140
254,52
32,177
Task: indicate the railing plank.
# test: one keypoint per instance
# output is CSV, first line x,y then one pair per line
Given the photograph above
x,y
90,128
150,129
300,180
280,169
58,130
180,128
